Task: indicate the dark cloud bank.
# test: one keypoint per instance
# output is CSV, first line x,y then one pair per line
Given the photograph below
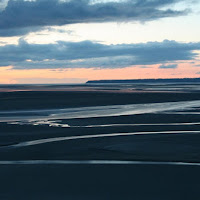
x,y
173,66
21,17
88,54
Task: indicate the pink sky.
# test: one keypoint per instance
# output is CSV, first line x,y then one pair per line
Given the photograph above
x,y
81,75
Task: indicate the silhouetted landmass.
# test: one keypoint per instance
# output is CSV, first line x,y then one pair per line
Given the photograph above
x,y
179,80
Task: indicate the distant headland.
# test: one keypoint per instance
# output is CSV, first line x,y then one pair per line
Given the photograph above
x,y
173,80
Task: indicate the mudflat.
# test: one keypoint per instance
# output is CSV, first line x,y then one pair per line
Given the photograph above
x,y
100,144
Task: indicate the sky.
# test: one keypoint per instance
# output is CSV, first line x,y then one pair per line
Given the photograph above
x,y
72,41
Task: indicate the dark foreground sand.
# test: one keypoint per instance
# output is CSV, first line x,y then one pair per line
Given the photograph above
x,y
89,182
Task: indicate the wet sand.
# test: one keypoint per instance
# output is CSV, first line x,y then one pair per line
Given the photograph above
x,y
89,182
56,99
55,158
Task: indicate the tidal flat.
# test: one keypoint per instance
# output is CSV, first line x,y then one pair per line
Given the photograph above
x,y
100,142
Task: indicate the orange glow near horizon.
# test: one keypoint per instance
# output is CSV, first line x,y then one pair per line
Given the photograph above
x,y
9,75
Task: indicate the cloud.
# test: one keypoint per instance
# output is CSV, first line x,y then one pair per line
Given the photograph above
x,y
173,66
88,54
23,31
17,31
24,15
3,4
2,43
